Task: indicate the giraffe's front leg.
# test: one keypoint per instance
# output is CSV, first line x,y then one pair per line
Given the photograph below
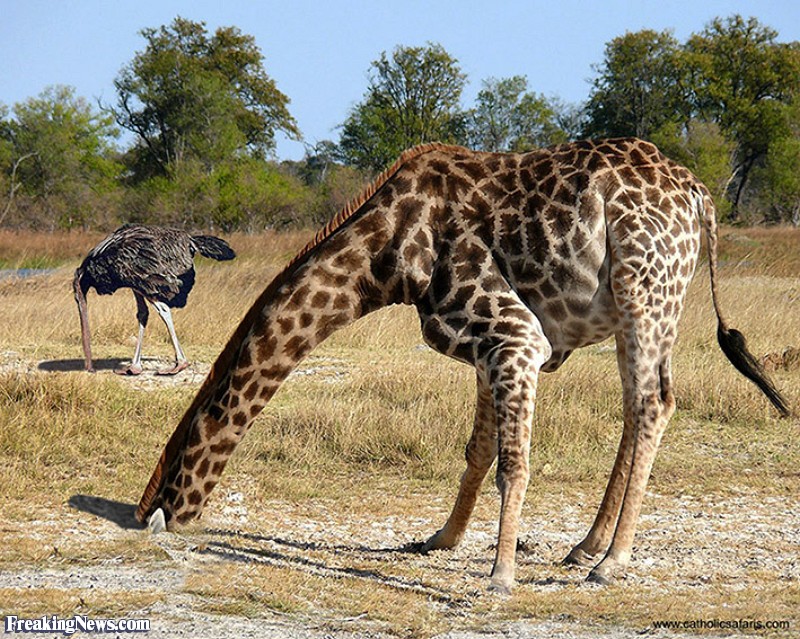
x,y
497,333
480,453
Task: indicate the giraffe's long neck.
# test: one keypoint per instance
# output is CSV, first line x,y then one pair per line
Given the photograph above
x,y
375,259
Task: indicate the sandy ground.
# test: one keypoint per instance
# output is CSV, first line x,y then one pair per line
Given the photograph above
x,y
700,542
703,544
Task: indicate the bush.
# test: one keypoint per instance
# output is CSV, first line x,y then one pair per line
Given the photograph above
x,y
256,195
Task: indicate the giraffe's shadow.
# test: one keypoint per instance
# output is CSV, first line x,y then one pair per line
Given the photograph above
x,y
117,512
411,548
313,558
320,559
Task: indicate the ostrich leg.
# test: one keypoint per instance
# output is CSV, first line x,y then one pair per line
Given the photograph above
x,y
135,367
180,359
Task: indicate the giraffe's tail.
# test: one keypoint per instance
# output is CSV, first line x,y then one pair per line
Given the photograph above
x,y
731,341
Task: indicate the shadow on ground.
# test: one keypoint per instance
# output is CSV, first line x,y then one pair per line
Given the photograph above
x,y
117,512
65,365
328,560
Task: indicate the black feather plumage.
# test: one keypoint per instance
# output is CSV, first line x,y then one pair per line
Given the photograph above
x,y
155,261
157,264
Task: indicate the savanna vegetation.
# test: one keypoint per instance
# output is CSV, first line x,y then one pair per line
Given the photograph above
x,y
360,453
200,114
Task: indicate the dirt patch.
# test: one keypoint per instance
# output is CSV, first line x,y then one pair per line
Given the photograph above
x,y
327,369
684,542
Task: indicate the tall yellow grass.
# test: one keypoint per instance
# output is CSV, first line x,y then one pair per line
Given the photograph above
x,y
393,402
382,419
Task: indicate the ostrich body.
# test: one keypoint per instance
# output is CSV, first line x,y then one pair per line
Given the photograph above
x,y
157,264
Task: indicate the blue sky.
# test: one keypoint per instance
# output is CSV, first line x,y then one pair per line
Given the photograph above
x,y
319,52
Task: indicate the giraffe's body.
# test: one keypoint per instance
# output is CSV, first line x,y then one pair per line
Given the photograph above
x,y
513,261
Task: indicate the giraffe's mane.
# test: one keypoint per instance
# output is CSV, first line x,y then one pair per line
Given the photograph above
x,y
178,440
365,195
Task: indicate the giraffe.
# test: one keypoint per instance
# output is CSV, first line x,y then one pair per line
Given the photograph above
x,y
512,261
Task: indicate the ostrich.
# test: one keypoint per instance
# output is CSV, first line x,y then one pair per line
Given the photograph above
x,y
156,263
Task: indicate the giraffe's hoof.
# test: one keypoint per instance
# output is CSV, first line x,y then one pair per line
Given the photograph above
x,y
129,370
596,577
175,369
156,523
439,541
607,571
500,588
428,546
578,557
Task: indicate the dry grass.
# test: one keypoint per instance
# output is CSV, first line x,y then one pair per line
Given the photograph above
x,y
770,252
378,430
66,603
26,249
638,606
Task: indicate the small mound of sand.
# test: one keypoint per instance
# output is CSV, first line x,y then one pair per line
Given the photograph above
x,y
788,360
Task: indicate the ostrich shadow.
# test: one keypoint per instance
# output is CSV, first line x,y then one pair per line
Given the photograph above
x,y
66,365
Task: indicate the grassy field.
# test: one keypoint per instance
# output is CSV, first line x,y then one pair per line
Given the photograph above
x,y
360,453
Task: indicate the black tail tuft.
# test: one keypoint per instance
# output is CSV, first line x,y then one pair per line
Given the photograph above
x,y
733,344
213,247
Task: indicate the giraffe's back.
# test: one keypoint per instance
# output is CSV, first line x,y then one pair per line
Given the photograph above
x,y
557,222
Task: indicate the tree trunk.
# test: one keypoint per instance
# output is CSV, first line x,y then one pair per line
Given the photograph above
x,y
14,186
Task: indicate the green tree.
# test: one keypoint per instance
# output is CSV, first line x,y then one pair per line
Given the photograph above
x,y
329,184
781,169
509,117
639,86
413,97
570,118
8,186
6,148
701,147
194,96
256,195
742,78
318,162
63,156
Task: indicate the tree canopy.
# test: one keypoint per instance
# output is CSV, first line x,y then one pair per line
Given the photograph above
x,y
192,95
638,88
204,115
509,117
733,74
413,97
744,80
58,154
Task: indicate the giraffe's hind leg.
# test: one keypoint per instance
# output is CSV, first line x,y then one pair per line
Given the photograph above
x,y
481,452
599,537
648,273
650,403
